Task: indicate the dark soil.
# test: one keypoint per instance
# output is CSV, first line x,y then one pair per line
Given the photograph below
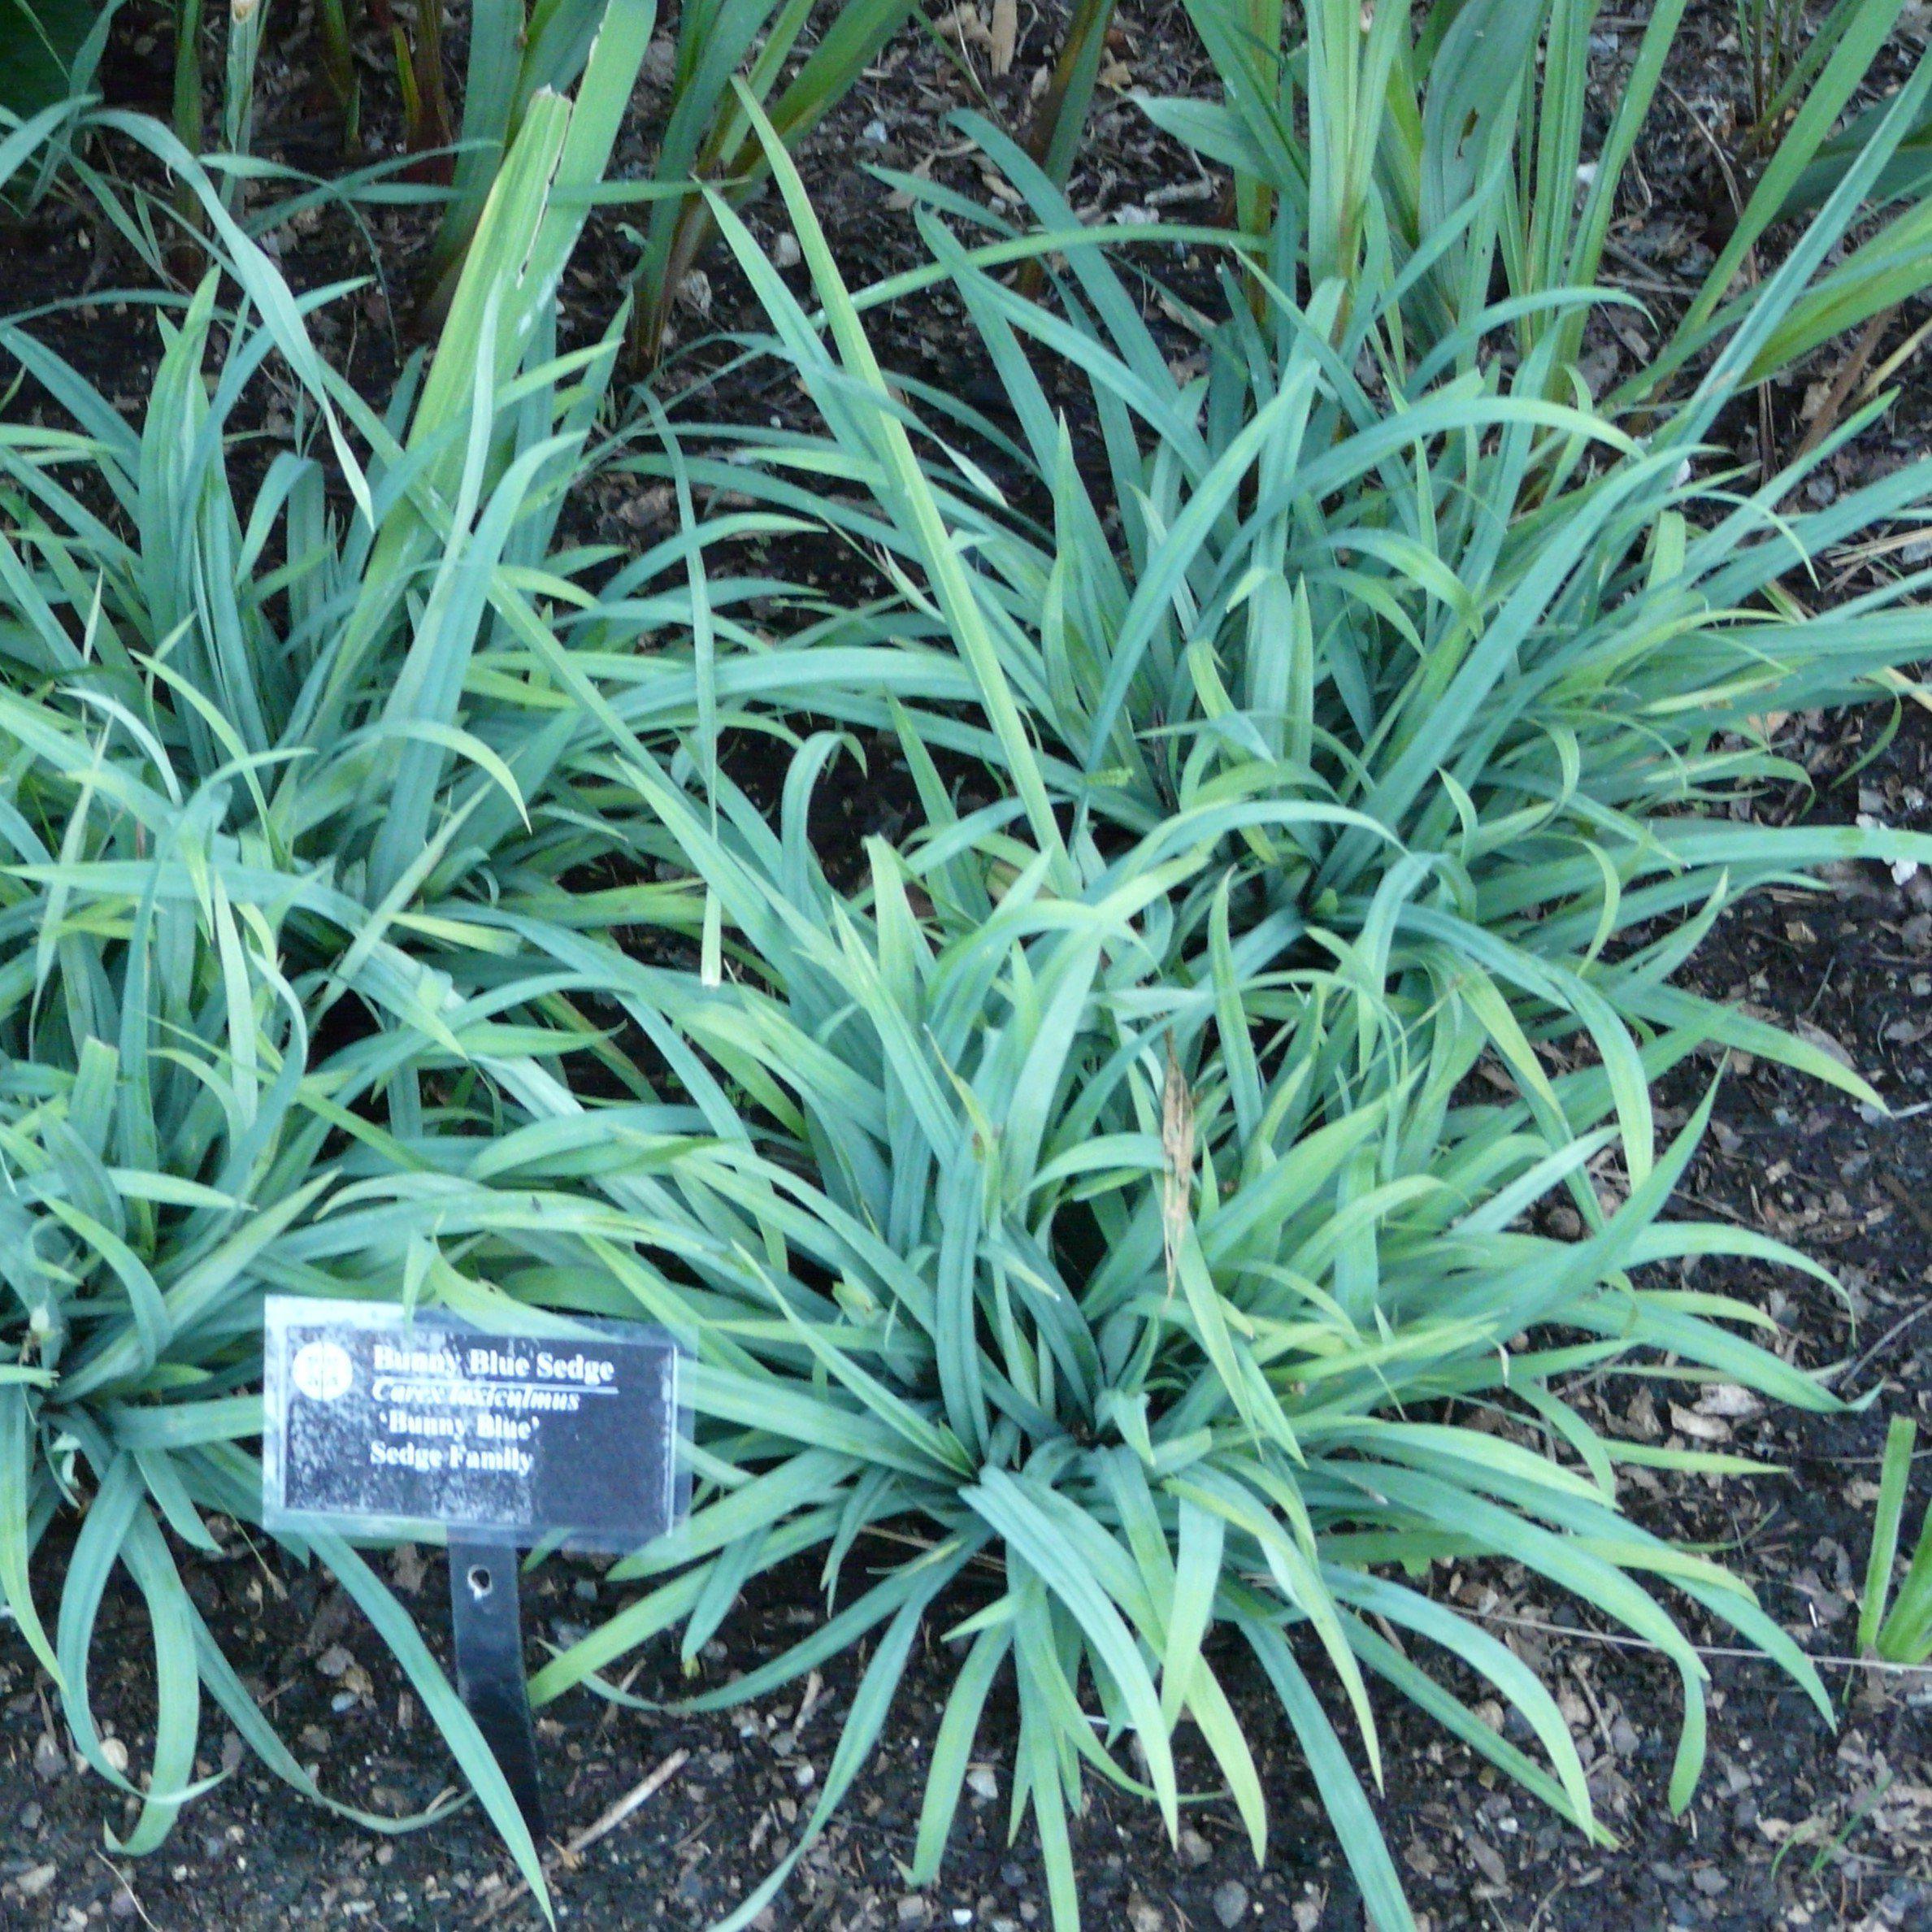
x,y
1796,1825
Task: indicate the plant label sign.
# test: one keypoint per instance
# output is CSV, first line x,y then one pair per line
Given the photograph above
x,y
382,1423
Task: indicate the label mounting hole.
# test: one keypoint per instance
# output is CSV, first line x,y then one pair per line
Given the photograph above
x,y
480,1581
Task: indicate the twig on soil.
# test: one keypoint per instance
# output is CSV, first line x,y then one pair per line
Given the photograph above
x,y
645,1787
1894,362
1642,275
611,1709
1882,546
1718,1207
1909,1201
133,1897
1203,190
1898,1328
1849,371
1548,1898
1704,1650
1824,986
602,1826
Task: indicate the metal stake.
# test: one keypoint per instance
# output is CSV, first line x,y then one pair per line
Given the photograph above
x,y
489,1665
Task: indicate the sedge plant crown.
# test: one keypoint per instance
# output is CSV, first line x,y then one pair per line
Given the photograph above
x,y
1485,658
259,756
173,1145
1445,674
1161,1290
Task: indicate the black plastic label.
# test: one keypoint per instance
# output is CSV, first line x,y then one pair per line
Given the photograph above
x,y
377,1423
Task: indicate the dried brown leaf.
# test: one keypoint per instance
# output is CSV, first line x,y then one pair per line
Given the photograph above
x,y
1700,1428
1177,1144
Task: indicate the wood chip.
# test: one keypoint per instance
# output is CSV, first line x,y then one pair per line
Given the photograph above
x,y
1006,31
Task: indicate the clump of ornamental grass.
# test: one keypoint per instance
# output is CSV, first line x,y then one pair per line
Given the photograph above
x,y
1096,1199
373,637
176,1141
1394,696
1462,163
1099,1287
795,78
271,732
260,752
1498,665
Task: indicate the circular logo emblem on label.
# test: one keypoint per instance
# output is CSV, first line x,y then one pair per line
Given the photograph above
x,y
322,1370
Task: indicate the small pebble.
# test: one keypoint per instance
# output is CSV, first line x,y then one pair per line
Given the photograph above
x,y
49,1761
875,132
1230,1904
660,65
785,251
1194,1849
